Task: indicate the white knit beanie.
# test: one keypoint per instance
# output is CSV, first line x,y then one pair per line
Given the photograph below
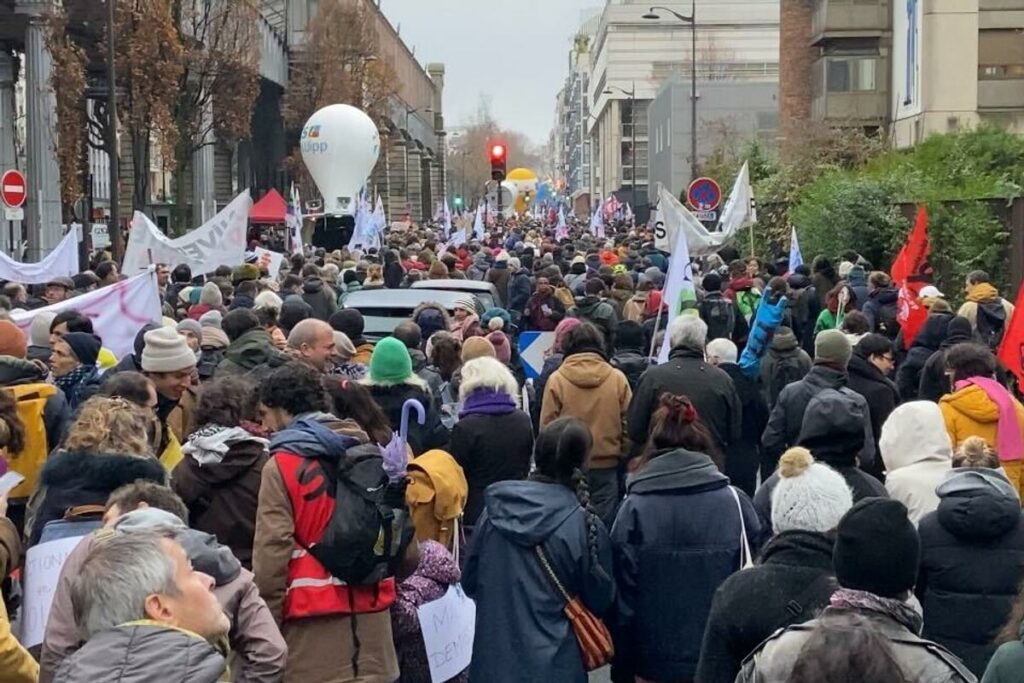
x,y
810,496
267,299
166,351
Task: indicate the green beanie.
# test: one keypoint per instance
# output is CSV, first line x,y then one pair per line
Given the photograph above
x,y
390,362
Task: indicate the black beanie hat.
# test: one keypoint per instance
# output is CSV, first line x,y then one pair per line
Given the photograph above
x,y
877,548
712,282
85,346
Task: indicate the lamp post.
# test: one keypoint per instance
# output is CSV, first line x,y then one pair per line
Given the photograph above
x,y
114,225
631,94
409,111
692,21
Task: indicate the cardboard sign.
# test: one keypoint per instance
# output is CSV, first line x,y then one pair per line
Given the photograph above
x,y
42,571
448,625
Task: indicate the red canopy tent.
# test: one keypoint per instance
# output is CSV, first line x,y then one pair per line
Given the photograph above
x,y
271,208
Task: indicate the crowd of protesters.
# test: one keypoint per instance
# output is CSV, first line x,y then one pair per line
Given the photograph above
x,y
819,498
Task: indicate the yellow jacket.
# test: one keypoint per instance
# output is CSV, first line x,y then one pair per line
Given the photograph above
x,y
16,664
970,412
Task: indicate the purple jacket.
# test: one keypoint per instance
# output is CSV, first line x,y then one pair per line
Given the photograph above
x,y
436,572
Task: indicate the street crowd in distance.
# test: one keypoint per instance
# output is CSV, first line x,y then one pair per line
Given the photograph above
x,y
286,469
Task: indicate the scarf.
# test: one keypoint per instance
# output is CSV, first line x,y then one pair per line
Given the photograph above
x,y
1008,436
982,292
487,401
69,383
897,610
209,444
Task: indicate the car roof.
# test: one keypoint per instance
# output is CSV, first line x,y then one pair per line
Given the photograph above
x,y
458,285
401,298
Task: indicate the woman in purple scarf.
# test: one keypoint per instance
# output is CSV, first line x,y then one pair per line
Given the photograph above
x,y
493,439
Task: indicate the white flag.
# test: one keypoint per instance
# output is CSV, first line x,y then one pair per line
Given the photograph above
x,y
597,222
447,216
478,223
672,218
679,294
739,208
293,218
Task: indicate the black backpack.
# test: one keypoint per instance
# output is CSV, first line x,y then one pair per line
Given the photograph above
x,y
720,315
370,528
787,370
887,323
991,323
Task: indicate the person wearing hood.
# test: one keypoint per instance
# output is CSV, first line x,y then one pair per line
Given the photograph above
x,y
392,382
249,345
431,317
742,457
577,276
320,297
988,313
73,365
917,454
39,336
876,557
394,273
793,579
824,278
543,311
927,341
335,632
219,477
786,362
979,406
258,650
409,333
435,574
857,279
680,532
832,354
934,382
350,321
490,407
804,306
630,356
588,388
972,556
869,368
520,287
212,347
499,275
833,430
530,535
880,308
592,308
17,373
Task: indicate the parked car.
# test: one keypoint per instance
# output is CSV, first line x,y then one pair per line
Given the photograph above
x,y
485,292
383,309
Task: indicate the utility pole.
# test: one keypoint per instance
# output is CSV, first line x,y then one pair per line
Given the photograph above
x,y
114,226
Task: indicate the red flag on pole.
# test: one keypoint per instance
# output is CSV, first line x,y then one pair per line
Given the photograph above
x,y
1011,349
911,272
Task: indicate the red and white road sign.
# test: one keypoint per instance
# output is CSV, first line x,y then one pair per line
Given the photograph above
x,y
13,189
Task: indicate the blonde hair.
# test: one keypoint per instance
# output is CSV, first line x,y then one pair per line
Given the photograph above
x,y
374,273
795,462
110,425
975,452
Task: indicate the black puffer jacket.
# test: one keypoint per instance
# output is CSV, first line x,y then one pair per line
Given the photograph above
x,y
321,298
928,340
790,585
972,562
391,398
632,363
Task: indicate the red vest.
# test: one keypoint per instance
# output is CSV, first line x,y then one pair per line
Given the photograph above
x,y
311,591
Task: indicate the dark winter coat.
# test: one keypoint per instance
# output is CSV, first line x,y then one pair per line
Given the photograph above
x,y
785,362
934,382
499,276
596,310
878,300
251,350
73,479
551,364
320,297
710,389
858,281
222,497
743,457
522,633
422,438
676,537
805,308
881,395
787,416
519,290
791,583
491,448
972,562
543,312
928,340
632,363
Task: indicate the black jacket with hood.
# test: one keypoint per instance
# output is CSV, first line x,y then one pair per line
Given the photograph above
x,y
784,363
928,340
522,633
743,456
972,562
879,392
934,383
321,298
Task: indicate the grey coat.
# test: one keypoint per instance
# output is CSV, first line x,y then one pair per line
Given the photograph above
x,y
920,659
143,652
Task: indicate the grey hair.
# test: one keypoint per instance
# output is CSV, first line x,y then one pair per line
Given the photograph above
x,y
687,330
306,332
117,576
489,373
723,349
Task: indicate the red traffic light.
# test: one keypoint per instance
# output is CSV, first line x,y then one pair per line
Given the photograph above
x,y
498,152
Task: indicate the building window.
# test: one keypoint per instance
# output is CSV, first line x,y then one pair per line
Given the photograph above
x,y
850,74
1000,54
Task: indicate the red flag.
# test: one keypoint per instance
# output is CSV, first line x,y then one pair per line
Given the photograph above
x,y
911,272
1011,349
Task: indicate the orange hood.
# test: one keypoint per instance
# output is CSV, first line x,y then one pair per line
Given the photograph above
x,y
973,402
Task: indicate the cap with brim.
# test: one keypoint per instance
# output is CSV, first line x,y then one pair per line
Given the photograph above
x,y
930,291
61,281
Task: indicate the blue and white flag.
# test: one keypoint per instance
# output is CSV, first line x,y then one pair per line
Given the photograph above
x,y
680,296
478,223
795,257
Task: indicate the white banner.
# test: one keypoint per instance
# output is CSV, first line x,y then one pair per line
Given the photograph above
x,y
117,312
672,217
271,260
63,260
43,563
218,242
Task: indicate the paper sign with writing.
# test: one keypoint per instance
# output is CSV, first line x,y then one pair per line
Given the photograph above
x,y
448,625
42,571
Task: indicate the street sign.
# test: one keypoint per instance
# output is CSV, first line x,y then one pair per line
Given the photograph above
x,y
13,188
533,348
704,194
14,214
100,236
706,216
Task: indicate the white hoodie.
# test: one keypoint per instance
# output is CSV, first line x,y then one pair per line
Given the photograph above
x,y
917,453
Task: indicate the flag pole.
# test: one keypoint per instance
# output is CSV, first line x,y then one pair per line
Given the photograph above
x,y
657,323
752,251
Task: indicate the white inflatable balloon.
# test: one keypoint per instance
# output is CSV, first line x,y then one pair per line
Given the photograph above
x,y
340,146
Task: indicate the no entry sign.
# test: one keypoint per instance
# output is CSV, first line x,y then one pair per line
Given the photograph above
x,y
13,188
704,194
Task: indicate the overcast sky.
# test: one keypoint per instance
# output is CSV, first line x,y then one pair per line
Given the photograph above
x,y
515,52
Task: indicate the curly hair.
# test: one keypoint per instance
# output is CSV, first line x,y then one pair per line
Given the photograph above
x,y
226,401
110,425
295,388
12,431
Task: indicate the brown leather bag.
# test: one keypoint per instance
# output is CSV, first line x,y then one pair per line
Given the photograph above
x,y
592,635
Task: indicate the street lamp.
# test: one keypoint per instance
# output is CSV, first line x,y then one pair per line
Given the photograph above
x,y
692,20
409,111
631,94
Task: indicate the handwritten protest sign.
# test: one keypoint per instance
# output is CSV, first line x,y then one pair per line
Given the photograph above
x,y
42,571
448,624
